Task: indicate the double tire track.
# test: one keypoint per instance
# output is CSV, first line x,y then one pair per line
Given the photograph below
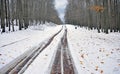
x,y
20,64
63,62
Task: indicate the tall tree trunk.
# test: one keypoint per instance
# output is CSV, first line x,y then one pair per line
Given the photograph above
x,y
3,15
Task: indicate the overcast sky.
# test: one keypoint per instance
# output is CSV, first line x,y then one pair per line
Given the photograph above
x,y
60,6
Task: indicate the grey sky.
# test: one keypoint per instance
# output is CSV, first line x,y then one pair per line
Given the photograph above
x,y
60,6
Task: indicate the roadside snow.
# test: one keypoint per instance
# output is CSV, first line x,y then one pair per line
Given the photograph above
x,y
94,53
16,43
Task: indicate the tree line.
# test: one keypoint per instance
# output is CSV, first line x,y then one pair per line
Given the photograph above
x,y
23,13
103,15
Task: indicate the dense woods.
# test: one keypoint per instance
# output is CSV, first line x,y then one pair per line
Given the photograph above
x,y
26,12
103,15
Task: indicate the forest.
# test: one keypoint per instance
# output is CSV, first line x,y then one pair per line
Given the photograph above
x,y
23,13
103,15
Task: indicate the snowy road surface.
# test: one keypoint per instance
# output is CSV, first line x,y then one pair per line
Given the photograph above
x,y
90,52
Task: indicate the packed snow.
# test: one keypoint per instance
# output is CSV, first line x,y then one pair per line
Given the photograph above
x,y
94,53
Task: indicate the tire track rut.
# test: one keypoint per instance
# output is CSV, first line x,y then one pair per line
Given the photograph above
x,y
63,63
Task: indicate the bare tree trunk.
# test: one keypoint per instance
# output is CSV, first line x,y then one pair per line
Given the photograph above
x,y
2,16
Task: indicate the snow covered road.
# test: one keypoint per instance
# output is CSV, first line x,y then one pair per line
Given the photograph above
x,y
21,64
63,63
43,63
34,38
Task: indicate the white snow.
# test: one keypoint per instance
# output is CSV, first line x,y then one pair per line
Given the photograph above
x,y
20,41
94,53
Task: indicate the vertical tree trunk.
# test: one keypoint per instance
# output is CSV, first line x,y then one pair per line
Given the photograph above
x,y
3,15
8,5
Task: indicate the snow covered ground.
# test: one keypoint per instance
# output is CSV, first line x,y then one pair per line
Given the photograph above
x,y
94,53
16,43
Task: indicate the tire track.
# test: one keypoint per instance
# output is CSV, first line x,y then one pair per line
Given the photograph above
x,y
63,63
12,43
